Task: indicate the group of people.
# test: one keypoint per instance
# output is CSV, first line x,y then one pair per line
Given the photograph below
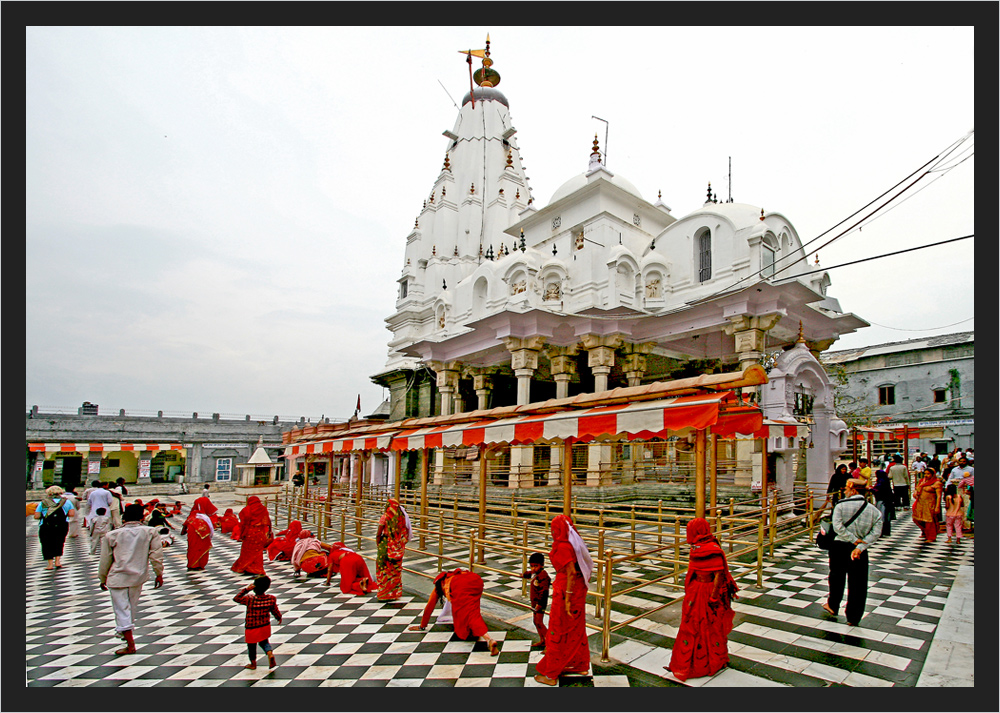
x,y
129,552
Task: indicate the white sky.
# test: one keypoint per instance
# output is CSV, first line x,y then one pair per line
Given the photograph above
x,y
215,218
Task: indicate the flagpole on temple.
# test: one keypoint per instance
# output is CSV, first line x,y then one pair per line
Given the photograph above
x,y
472,88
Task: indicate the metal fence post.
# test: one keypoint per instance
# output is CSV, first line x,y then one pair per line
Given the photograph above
x,y
606,622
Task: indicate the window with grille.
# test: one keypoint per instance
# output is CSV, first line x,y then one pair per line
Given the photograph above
x,y
224,469
705,256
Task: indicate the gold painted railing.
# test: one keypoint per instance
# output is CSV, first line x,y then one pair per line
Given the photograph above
x,y
650,537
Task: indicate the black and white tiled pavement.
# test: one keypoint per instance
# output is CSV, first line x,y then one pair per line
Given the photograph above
x,y
190,632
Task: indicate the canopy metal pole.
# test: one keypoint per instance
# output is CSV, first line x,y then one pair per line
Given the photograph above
x,y
482,502
567,477
398,458
699,473
424,458
714,472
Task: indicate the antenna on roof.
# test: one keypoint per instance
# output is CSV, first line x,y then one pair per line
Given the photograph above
x,y
449,95
730,179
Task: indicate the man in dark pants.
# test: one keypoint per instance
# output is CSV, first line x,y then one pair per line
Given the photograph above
x,y
849,551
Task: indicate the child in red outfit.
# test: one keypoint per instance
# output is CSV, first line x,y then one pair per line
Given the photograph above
x,y
260,607
539,591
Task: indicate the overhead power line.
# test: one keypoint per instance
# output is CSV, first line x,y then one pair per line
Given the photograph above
x,y
925,329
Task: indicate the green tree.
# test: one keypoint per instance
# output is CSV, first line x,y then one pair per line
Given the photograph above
x,y
852,410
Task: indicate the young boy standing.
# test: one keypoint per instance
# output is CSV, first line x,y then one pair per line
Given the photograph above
x,y
100,525
539,591
260,607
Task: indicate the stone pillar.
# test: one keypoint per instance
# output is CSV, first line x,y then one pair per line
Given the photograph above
x,y
447,383
85,476
36,474
598,454
139,478
601,357
635,361
524,361
563,368
482,382
749,335
522,461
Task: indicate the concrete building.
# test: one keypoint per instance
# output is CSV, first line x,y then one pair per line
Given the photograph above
x,y
68,449
927,384
503,302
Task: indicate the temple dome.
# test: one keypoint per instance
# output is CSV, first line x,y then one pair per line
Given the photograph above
x,y
580,180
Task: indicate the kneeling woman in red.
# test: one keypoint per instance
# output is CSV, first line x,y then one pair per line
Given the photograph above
x,y
707,612
284,542
566,648
462,592
310,555
354,575
255,535
228,521
198,528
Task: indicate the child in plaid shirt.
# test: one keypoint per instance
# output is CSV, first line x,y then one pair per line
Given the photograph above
x,y
539,590
259,606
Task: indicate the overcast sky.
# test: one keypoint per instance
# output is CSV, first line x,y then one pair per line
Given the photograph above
x,y
215,218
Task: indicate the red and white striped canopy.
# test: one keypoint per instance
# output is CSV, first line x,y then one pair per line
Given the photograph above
x,y
104,447
378,442
644,419
776,428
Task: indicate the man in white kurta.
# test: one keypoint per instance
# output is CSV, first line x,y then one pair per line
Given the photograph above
x,y
126,555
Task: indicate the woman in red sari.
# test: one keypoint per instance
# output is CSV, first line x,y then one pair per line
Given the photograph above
x,y
462,592
284,542
393,533
927,505
198,528
707,612
228,521
255,534
566,648
354,575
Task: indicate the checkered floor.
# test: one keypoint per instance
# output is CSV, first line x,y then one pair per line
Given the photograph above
x,y
190,632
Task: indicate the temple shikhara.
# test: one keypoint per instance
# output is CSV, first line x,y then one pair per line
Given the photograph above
x,y
594,340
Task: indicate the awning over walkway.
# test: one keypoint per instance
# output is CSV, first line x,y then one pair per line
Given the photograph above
x,y
883,434
345,444
641,420
104,447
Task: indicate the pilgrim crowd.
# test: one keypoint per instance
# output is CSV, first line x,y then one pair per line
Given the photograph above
x,y
129,537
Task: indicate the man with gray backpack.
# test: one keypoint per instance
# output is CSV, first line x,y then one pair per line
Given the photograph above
x,y
857,524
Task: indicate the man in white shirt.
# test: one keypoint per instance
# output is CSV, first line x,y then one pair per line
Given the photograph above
x,y
900,482
99,497
962,470
126,554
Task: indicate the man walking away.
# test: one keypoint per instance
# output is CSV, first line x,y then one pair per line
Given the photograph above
x,y
126,554
900,482
858,525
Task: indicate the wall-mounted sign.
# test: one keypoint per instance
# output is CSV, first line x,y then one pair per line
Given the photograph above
x,y
144,468
93,467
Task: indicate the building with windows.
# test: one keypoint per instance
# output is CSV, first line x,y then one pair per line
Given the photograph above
x,y
926,384
505,302
73,449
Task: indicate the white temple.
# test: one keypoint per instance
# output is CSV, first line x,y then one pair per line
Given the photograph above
x,y
502,301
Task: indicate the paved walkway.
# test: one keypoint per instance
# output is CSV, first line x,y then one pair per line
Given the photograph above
x,y
917,630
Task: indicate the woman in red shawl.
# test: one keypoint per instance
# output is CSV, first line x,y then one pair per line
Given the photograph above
x,y
198,528
284,542
566,648
462,591
927,505
707,612
228,521
390,540
255,534
354,575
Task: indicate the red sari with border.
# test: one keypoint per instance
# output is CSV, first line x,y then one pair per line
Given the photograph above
x,y
255,535
228,521
355,578
284,542
199,533
465,590
566,647
706,615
